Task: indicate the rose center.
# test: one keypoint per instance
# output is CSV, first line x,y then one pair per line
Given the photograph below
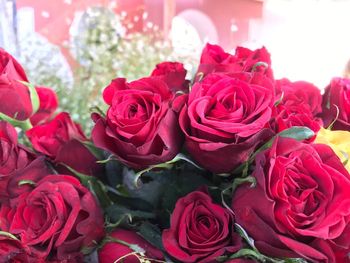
x,y
132,111
204,221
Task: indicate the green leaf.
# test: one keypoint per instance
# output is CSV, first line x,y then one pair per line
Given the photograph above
x,y
9,235
228,191
116,212
241,231
151,189
299,133
113,172
254,253
97,152
94,185
244,252
152,234
295,260
98,110
166,165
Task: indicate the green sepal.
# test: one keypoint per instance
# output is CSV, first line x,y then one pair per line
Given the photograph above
x,y
34,97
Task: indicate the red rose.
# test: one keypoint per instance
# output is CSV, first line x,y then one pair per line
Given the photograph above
x,y
173,74
61,139
215,59
14,96
13,156
303,207
16,162
337,95
200,230
225,119
284,117
12,250
300,93
56,219
140,128
48,105
299,103
10,67
113,251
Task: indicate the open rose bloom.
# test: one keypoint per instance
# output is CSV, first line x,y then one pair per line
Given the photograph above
x,y
230,166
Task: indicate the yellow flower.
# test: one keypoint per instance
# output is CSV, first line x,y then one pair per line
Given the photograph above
x,y
339,141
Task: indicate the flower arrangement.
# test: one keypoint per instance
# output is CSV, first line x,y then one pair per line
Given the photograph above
x,y
230,166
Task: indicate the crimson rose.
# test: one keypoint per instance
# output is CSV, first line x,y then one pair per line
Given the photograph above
x,y
173,74
215,59
284,117
140,128
113,251
61,139
200,230
47,106
12,250
16,163
337,97
303,207
300,93
56,219
299,103
225,119
14,96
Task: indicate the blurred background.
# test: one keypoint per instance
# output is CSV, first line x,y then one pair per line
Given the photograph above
x,y
78,46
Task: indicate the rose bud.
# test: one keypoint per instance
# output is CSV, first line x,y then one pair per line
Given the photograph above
x,y
15,96
299,93
62,140
48,103
16,163
173,74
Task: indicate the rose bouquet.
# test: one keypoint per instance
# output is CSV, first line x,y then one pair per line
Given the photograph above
x,y
232,166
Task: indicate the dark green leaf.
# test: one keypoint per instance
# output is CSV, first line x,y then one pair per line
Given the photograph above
x,y
167,165
114,173
295,260
97,152
152,234
299,133
117,211
94,185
